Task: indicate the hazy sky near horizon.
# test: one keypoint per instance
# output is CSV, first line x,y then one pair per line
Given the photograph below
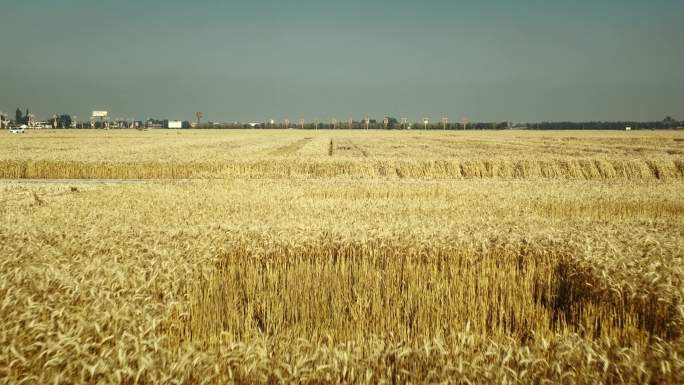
x,y
491,60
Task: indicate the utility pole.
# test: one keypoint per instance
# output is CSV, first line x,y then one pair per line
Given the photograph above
x,y
465,122
445,121
316,124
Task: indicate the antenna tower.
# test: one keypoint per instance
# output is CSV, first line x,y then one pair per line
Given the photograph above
x,y
199,116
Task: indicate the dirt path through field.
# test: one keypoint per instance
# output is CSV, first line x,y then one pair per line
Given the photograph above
x,y
292,148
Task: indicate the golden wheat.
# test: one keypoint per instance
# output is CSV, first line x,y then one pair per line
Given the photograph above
x,y
165,154
318,270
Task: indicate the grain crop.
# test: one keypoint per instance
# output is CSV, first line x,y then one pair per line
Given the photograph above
x,y
282,261
182,154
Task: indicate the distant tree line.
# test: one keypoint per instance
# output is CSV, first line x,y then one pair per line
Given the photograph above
x,y
373,124
391,123
394,125
667,123
61,121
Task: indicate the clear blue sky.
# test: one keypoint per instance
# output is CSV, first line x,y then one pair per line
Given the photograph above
x,y
524,60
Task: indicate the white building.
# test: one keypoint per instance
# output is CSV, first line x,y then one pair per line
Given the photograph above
x,y
175,124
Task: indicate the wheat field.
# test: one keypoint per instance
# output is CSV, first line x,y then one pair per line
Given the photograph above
x,y
197,154
316,257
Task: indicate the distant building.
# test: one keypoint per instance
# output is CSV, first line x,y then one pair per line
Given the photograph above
x,y
174,124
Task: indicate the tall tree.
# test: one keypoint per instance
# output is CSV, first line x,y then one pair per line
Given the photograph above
x,y
64,121
18,117
391,122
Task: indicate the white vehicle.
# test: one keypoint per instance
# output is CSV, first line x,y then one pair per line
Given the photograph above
x,y
17,130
